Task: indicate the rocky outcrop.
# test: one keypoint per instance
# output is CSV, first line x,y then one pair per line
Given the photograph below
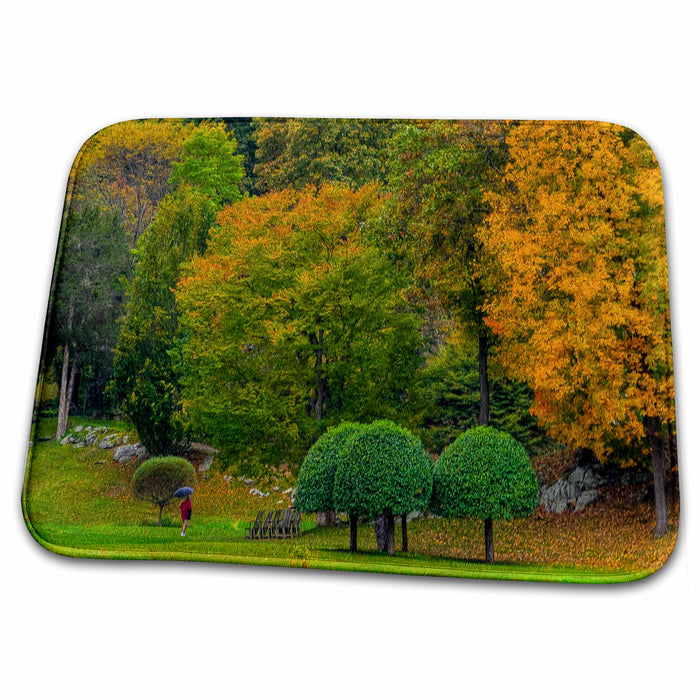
x,y
110,441
100,437
583,485
83,436
124,453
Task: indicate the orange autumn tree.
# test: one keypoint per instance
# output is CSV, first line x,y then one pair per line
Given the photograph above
x,y
579,296
292,320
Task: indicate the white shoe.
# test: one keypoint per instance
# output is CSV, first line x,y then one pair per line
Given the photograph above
x,y
182,534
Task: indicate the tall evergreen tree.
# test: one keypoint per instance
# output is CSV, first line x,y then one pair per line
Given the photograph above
x,y
146,383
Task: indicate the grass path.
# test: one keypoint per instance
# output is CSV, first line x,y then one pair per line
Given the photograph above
x,y
314,550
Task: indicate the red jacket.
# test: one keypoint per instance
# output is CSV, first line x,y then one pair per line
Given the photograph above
x,y
186,509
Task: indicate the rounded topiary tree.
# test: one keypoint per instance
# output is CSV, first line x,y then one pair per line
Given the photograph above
x,y
314,492
157,479
487,474
383,470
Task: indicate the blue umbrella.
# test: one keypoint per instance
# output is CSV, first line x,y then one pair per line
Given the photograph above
x,y
184,491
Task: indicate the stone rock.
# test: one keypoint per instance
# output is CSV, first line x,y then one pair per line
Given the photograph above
x,y
258,493
77,445
577,476
206,463
248,482
591,480
124,453
585,499
289,490
67,439
556,498
107,443
125,439
577,490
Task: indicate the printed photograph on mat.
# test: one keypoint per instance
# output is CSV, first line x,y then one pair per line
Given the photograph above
x,y
428,347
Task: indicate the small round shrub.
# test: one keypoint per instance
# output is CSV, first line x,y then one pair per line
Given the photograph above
x,y
157,479
484,473
383,467
316,477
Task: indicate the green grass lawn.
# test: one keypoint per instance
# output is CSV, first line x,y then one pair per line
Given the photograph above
x,y
77,502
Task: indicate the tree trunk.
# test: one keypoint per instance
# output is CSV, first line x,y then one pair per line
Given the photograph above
x,y
66,395
404,533
657,465
321,383
380,532
669,465
353,533
326,518
160,513
62,412
483,380
63,405
71,384
488,539
389,515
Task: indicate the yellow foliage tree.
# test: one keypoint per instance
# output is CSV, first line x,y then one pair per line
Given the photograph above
x,y
126,166
579,295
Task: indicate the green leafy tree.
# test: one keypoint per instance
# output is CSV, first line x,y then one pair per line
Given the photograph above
x,y
146,380
209,162
147,371
293,321
243,127
87,298
438,174
314,491
158,478
299,152
484,473
385,471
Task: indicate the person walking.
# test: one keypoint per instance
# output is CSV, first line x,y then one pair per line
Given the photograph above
x,y
185,514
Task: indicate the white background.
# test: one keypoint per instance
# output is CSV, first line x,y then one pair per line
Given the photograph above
x,y
81,629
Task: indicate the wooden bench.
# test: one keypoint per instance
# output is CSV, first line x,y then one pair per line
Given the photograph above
x,y
275,524
253,531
